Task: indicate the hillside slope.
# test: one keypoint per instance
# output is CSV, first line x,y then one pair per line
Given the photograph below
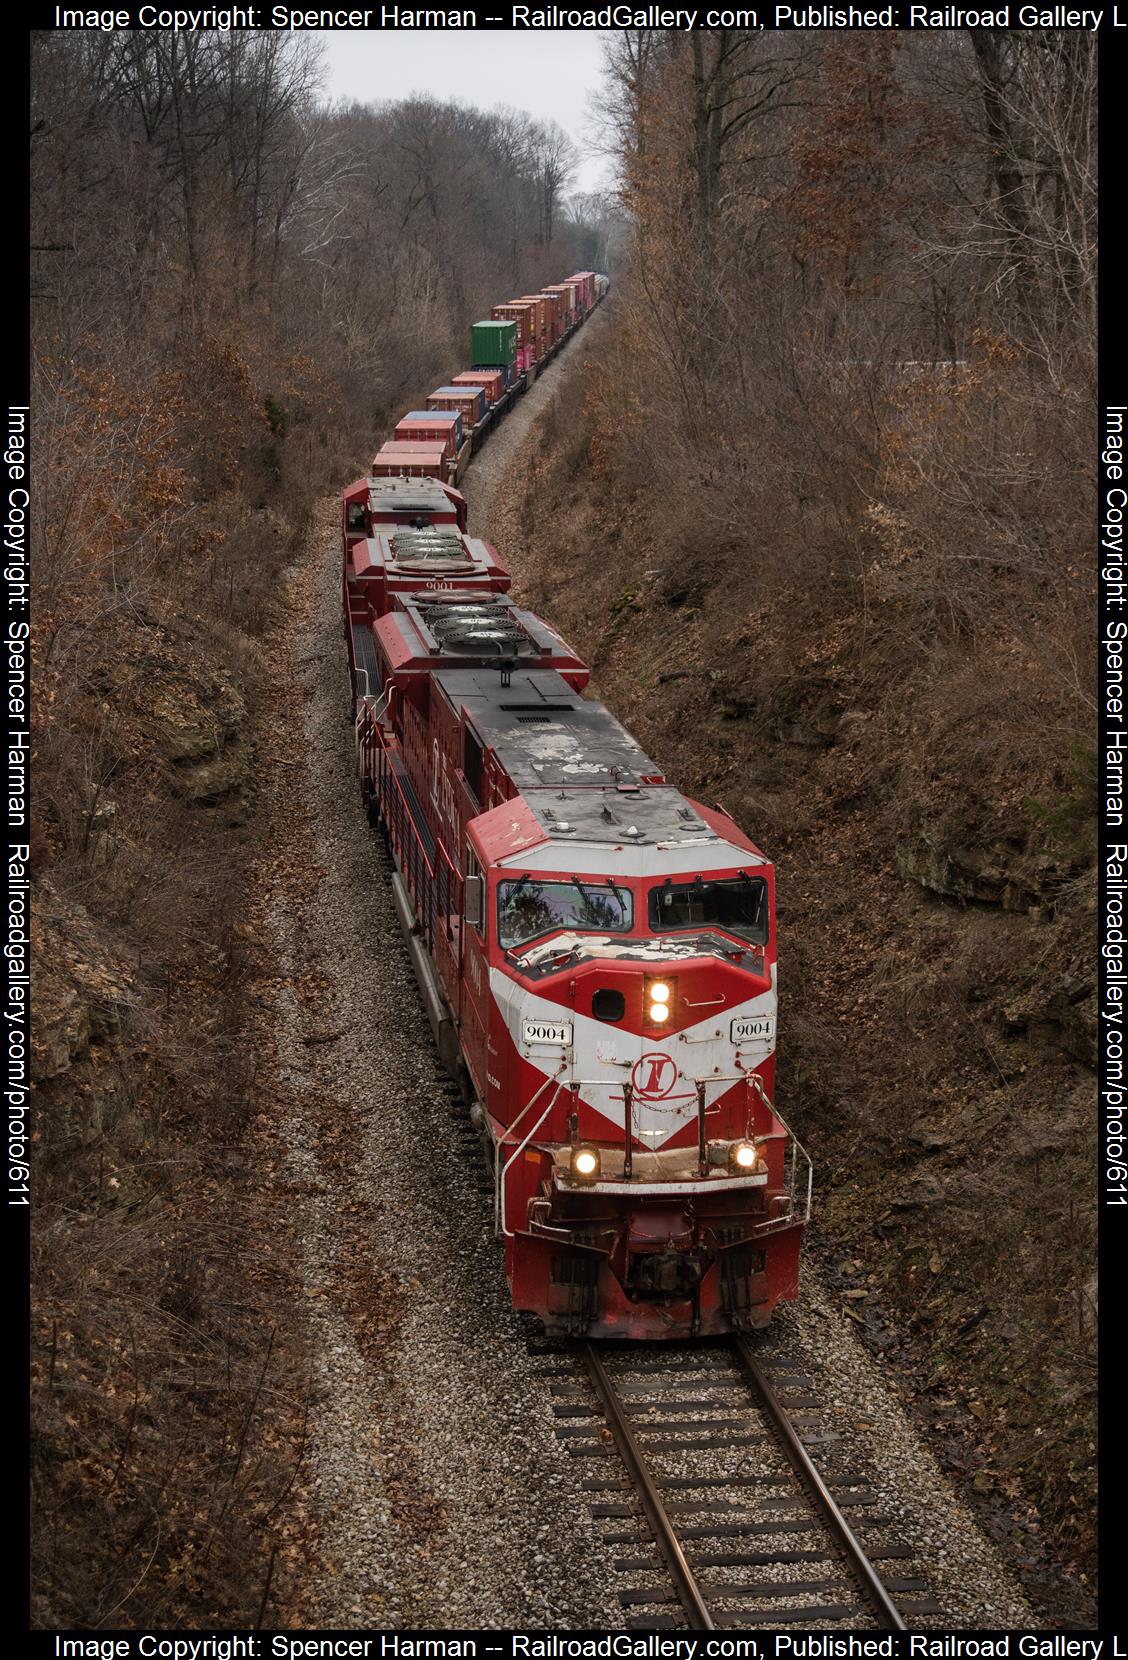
x,y
937,1009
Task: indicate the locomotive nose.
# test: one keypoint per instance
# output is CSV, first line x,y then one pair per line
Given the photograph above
x,y
665,1033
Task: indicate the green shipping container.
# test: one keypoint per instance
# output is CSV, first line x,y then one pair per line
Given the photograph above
x,y
492,342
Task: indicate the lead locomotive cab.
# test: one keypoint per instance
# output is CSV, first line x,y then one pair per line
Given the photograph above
x,y
661,1193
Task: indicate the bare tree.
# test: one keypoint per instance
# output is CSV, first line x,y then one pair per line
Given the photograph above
x,y
552,159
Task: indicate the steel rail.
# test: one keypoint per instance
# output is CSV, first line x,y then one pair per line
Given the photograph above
x,y
801,1463
689,1593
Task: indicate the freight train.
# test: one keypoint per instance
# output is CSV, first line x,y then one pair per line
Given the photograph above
x,y
596,951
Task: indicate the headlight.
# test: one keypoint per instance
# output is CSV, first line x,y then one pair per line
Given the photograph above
x,y
585,1163
743,1157
658,999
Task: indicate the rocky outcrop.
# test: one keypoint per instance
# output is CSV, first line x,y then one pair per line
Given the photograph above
x,y
82,1000
996,874
1063,1016
166,698
1060,1012
199,727
80,993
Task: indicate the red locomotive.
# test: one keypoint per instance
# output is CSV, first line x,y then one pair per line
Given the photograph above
x,y
596,951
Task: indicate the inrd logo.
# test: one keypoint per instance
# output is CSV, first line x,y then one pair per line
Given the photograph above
x,y
653,1076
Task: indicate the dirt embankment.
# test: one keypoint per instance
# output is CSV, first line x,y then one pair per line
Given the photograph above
x,y
937,1014
490,480
167,1373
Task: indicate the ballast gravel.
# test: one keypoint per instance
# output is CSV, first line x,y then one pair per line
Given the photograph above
x,y
441,1495
440,1492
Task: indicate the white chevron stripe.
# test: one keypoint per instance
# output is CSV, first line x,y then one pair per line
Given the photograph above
x,y
599,1060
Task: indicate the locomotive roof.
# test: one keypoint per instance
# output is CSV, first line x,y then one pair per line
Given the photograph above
x,y
408,546
413,495
579,770
448,624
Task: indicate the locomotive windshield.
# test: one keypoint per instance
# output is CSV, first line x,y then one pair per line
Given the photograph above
x,y
739,907
526,909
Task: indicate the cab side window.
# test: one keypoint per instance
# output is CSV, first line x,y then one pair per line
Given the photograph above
x,y
474,905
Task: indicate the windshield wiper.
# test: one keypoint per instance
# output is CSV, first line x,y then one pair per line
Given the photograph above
x,y
614,889
583,891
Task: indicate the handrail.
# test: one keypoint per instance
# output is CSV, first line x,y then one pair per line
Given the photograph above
x,y
368,715
799,1204
792,1154
430,879
503,1170
400,819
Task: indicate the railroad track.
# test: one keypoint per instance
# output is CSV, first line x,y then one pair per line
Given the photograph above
x,y
705,1482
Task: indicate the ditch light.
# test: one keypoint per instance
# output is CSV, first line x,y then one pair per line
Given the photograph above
x,y
585,1163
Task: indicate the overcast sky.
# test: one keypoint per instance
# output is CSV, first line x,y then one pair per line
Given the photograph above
x,y
549,73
